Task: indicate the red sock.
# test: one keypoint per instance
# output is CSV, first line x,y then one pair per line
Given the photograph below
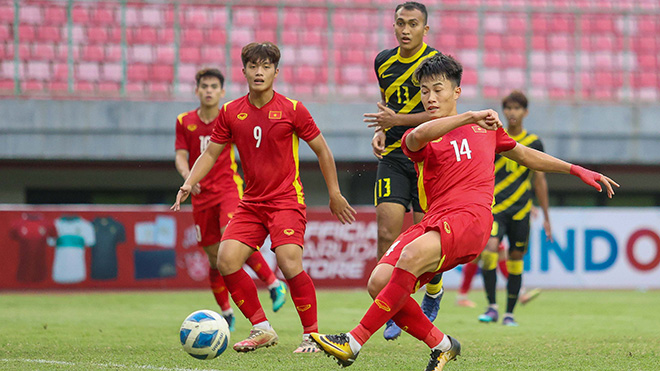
x,y
503,268
258,264
244,293
469,271
412,320
390,300
219,289
303,296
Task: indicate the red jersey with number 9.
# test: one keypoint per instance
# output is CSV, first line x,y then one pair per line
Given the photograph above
x,y
458,169
267,143
193,135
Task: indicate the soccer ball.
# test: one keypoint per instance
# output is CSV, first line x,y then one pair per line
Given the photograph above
x,y
204,334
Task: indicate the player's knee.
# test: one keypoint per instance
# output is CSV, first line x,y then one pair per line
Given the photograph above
x,y
515,267
228,263
385,235
376,284
516,254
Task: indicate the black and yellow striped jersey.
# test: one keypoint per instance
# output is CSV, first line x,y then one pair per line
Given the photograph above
x,y
513,186
401,94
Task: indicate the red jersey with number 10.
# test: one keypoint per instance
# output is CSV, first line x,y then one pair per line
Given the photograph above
x,y
457,169
267,142
193,135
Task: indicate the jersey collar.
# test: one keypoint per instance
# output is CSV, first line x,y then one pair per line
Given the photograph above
x,y
414,57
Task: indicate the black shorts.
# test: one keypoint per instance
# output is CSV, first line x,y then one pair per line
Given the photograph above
x,y
396,181
516,230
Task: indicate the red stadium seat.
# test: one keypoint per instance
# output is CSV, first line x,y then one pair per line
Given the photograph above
x,y
493,42
143,35
109,87
192,37
80,14
104,15
267,19
217,36
158,88
264,34
135,88
561,42
162,73
83,86
27,33
214,55
7,13
314,37
113,53
138,72
97,35
43,51
190,55
165,35
58,86
245,17
164,54
93,53
32,85
60,71
316,19
55,15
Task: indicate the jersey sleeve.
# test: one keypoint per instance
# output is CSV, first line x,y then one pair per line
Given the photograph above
x,y
180,141
221,132
304,124
417,156
503,141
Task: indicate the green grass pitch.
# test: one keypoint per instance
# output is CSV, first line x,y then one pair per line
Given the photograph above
x,y
561,330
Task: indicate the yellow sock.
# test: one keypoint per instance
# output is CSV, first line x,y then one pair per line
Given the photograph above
x,y
489,260
434,288
515,266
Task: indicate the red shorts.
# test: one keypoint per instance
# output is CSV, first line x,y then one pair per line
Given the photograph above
x,y
463,235
210,221
252,223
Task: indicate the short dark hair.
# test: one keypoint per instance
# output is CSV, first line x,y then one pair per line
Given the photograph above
x,y
515,96
412,5
209,72
258,52
440,65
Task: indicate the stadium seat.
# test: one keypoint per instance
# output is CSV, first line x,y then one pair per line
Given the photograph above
x,y
186,73
83,86
190,55
192,37
43,51
111,72
561,42
140,54
245,17
267,18
97,35
30,14
135,88
314,37
105,15
58,86
60,71
513,78
158,88
242,36
264,34
217,36
165,35
7,13
138,72
32,85
109,87
165,54
37,70
113,53
93,53
55,15
214,55
316,19
516,23
494,23
87,71
493,42
27,33
491,77
142,35
80,14
562,23
470,77
162,73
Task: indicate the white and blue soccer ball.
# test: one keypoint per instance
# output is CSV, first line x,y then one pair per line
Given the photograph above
x,y
204,334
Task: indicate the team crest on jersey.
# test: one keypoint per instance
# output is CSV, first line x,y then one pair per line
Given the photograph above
x,y
191,127
447,228
242,116
289,232
479,129
275,115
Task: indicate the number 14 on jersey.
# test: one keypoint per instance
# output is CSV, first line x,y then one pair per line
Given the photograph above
x,y
463,151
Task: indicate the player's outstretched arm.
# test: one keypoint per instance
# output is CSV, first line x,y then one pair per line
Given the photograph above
x,y
199,170
386,118
181,165
338,204
541,191
434,129
540,161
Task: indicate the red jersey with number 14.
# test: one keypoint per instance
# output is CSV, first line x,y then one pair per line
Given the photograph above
x,y
193,135
267,142
457,169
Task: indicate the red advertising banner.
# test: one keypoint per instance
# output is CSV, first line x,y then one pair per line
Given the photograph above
x,y
124,247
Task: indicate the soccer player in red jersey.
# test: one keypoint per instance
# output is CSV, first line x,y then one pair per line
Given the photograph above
x,y
265,127
216,197
454,156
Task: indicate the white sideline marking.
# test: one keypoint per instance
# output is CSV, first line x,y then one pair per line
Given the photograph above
x,y
102,365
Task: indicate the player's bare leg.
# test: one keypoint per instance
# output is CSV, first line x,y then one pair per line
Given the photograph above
x,y
303,293
389,217
231,257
